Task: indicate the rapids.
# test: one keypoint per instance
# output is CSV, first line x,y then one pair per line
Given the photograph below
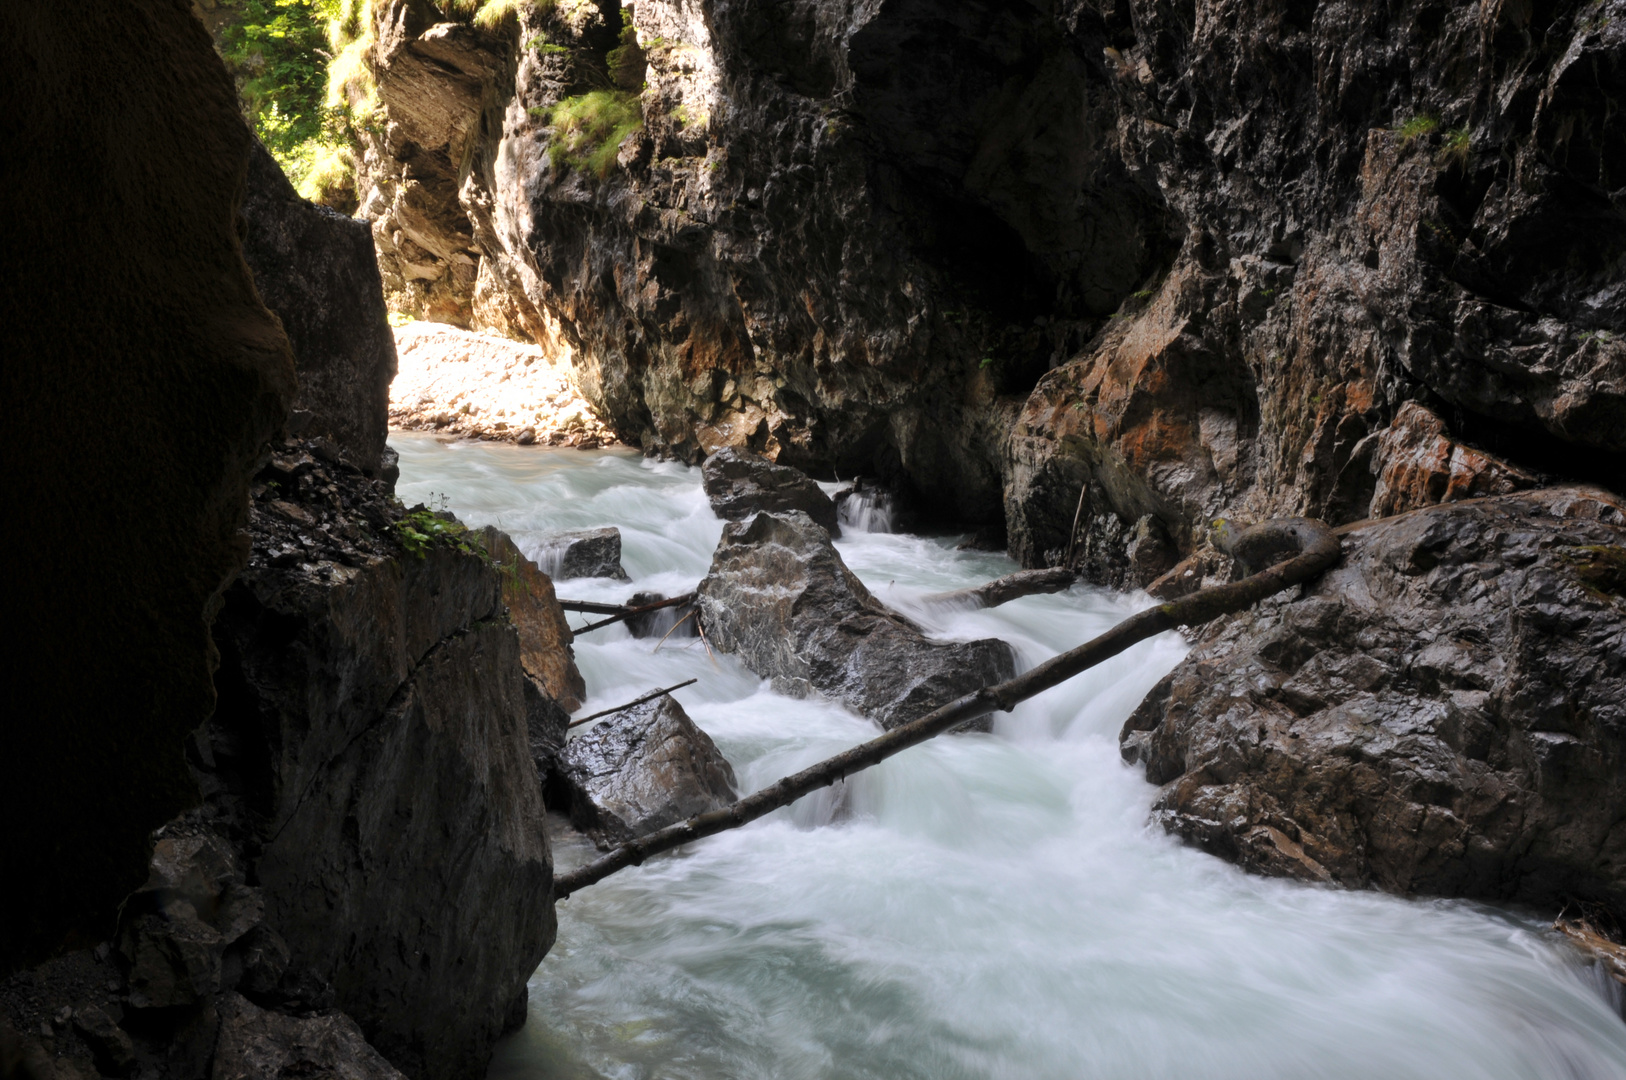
x,y
983,905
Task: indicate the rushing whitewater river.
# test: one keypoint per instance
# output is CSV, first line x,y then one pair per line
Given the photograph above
x,y
983,905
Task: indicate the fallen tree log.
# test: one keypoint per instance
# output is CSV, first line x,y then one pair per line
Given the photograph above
x,y
622,612
1317,549
592,607
1002,590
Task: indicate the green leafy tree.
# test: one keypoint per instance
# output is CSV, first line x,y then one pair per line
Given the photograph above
x,y
277,49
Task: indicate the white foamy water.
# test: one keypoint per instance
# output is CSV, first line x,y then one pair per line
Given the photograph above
x,y
981,906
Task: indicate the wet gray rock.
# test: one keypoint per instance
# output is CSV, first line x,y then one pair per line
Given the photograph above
x,y
643,769
779,596
581,554
256,1044
316,269
1444,712
740,483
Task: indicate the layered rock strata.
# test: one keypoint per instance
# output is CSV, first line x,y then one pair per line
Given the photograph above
x,y
1444,712
481,386
779,596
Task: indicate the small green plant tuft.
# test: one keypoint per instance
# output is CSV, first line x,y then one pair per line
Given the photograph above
x,y
1143,294
588,129
1416,128
424,528
626,62
1455,147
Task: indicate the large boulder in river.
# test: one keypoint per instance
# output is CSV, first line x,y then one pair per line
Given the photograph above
x,y
371,745
643,769
583,553
740,483
1444,712
779,596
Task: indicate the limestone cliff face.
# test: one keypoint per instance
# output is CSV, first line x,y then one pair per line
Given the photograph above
x,y
1381,206
1133,264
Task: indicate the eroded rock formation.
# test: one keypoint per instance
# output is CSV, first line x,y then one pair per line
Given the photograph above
x,y
1444,712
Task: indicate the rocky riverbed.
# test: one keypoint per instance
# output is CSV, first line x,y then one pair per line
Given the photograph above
x,y
482,386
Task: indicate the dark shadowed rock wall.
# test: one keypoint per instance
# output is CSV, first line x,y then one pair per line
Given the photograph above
x,y
370,750
315,270
142,375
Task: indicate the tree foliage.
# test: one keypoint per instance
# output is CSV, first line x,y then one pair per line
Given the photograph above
x,y
277,50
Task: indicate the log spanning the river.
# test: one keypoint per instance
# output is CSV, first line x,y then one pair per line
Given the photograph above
x,y
617,612
1316,548
1002,590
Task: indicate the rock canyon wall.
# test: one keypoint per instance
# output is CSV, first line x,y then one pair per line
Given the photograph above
x,y
1131,265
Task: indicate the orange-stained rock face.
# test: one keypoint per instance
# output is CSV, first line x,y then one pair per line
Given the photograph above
x,y
1418,464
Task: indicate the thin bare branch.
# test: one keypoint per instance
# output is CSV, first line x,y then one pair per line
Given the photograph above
x,y
636,701
625,612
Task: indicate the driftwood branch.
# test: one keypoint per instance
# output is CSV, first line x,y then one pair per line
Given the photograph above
x,y
625,612
592,607
1005,589
1318,549
651,696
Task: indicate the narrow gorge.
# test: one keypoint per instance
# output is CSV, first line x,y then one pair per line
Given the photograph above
x,y
795,370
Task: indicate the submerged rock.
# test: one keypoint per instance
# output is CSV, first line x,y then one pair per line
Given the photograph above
x,y
582,554
779,596
643,769
1444,712
740,483
679,619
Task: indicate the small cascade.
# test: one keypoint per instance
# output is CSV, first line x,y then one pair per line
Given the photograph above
x,y
867,508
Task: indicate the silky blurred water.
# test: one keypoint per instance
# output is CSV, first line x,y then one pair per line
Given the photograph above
x,y
983,905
